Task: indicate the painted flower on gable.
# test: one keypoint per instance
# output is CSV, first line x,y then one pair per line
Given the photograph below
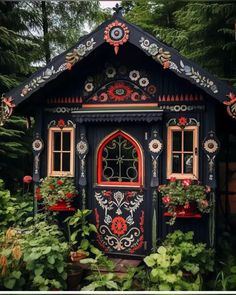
x,y
89,87
110,72
151,89
153,49
143,82
81,50
155,146
211,146
37,145
134,75
119,92
119,225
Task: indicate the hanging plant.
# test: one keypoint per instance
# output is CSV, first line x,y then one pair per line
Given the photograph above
x,y
57,190
184,198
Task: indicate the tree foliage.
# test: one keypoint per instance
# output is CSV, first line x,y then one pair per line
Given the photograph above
x,y
202,31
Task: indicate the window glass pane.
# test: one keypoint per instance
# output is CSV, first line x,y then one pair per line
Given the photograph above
x,y
188,163
57,141
119,161
66,162
177,139
188,140
66,141
129,171
56,161
176,163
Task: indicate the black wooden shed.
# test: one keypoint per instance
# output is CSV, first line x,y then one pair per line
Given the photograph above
x,y
122,112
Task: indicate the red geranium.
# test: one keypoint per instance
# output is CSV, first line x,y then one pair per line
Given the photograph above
x,y
27,179
59,182
172,179
186,182
52,187
166,199
69,195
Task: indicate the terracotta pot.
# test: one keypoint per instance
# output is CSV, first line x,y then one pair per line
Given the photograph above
x,y
77,256
75,276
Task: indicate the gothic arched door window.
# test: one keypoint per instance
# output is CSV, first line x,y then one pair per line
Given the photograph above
x,y
119,161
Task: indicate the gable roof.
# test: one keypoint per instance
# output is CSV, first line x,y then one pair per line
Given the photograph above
x,y
117,31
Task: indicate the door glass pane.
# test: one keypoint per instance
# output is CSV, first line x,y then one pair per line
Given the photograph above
x,y
56,161
119,161
66,161
188,141
188,163
176,163
57,141
66,141
177,139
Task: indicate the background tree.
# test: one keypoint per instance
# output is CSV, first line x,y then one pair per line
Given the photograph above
x,y
14,67
202,31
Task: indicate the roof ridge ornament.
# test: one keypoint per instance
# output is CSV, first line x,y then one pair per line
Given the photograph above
x,y
118,10
116,34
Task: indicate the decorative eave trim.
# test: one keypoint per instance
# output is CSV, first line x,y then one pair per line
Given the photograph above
x,y
118,117
168,57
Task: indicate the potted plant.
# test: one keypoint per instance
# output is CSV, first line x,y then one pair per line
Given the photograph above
x,y
57,193
79,237
184,198
79,230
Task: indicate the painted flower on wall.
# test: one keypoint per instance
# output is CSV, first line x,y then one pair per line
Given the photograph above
x,y
211,146
182,121
119,225
155,146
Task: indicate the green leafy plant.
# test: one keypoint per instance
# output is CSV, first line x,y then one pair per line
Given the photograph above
x,y
56,189
14,209
100,280
178,264
11,262
81,234
45,256
182,196
34,257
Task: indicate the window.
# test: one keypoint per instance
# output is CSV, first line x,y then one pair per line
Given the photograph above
x,y
119,161
182,152
61,151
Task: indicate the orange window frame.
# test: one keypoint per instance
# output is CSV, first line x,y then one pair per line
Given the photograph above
x,y
51,171
138,148
195,152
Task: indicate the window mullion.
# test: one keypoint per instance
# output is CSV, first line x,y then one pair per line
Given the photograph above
x,y
61,153
182,151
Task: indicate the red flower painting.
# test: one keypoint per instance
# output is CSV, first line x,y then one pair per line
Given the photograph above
x,y
119,92
183,121
119,226
61,123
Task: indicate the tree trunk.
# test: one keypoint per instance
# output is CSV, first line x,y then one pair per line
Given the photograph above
x,y
45,32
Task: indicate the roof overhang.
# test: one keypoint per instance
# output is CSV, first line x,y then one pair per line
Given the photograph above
x,y
168,57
